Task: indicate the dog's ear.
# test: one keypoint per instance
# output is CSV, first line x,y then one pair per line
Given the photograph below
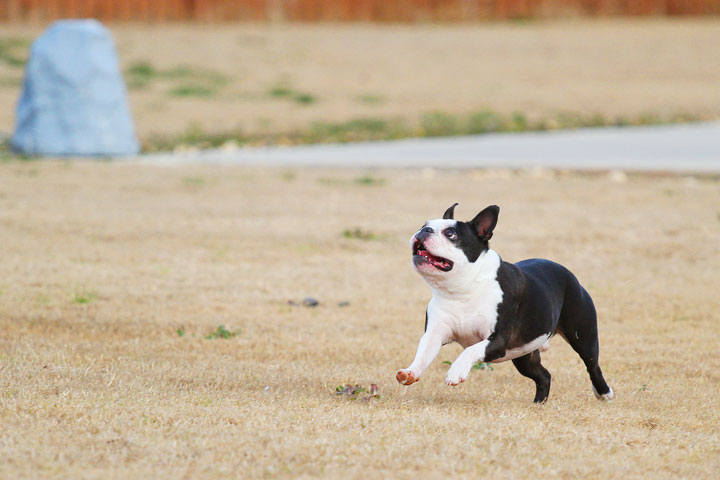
x,y
485,221
450,212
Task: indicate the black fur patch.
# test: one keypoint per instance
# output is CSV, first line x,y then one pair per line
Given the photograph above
x,y
473,236
469,242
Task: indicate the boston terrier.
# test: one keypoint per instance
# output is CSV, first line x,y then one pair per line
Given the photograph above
x,y
496,310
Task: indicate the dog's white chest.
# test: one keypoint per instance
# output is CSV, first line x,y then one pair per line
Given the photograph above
x,y
473,323
473,329
469,319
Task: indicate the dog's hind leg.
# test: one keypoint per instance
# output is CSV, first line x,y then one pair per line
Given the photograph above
x,y
529,366
585,343
578,325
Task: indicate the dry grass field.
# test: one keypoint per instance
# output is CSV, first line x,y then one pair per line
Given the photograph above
x,y
260,79
112,276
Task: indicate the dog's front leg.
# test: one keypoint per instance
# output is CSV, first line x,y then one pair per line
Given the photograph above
x,y
484,351
428,349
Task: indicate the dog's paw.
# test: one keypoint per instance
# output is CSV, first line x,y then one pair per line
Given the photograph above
x,y
406,377
456,375
606,397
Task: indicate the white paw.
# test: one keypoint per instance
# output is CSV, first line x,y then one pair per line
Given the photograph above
x,y
457,374
406,376
606,396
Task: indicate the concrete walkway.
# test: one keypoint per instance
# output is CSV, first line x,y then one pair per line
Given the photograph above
x,y
678,148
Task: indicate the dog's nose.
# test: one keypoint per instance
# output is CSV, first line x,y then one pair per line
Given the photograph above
x,y
424,233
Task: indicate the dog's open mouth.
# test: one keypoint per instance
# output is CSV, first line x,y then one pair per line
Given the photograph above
x,y
421,255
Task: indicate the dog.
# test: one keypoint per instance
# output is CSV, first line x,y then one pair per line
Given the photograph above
x,y
497,311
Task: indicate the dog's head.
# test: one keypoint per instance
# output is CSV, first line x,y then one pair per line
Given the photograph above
x,y
444,247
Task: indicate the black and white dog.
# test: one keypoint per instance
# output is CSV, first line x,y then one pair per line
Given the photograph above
x,y
496,310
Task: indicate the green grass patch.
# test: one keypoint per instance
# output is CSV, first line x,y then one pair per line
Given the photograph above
x,y
360,234
139,74
14,51
223,333
434,124
518,123
356,130
83,298
369,181
186,81
484,122
142,69
439,124
193,90
482,366
304,98
477,366
282,91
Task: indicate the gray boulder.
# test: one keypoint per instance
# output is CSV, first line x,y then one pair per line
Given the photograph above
x,y
74,99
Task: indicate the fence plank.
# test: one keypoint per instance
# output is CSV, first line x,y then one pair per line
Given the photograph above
x,y
341,10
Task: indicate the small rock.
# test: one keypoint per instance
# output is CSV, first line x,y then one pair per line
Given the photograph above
x,y
310,302
344,304
617,176
230,146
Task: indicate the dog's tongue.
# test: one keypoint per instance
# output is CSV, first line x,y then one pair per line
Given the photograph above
x,y
437,261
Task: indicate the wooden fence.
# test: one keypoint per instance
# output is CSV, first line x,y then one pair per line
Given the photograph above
x,y
341,10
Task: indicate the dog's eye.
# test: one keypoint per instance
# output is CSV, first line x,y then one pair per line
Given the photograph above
x,y
450,233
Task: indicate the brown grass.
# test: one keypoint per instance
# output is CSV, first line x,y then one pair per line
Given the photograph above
x,y
609,68
108,389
